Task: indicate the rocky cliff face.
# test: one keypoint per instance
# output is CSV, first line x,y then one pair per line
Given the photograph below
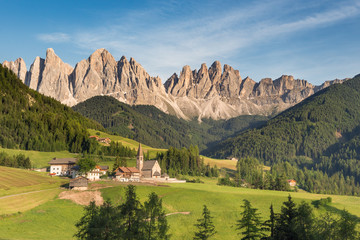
x,y
216,92
18,67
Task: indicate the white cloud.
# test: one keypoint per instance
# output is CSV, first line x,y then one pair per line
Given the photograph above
x,y
54,37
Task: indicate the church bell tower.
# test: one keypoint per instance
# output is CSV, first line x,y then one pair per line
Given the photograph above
x,y
140,159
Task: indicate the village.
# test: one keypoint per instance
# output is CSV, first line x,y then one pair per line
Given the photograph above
x,y
145,171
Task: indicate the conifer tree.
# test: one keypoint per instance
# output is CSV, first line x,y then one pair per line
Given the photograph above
x,y
132,213
304,222
347,226
205,226
269,225
156,226
285,226
249,224
326,227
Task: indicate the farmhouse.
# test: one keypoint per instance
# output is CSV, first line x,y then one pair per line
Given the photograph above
x,y
147,169
102,169
79,183
292,182
104,140
93,175
62,166
127,174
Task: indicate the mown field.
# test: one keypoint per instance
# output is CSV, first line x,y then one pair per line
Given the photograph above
x,y
55,219
21,190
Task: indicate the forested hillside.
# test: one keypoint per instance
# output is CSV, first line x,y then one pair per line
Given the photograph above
x,y
155,128
317,141
319,125
31,121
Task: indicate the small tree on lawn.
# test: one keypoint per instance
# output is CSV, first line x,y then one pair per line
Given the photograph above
x,y
205,226
250,223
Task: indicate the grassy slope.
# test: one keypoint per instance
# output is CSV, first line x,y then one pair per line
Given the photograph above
x,y
39,159
29,188
56,218
221,163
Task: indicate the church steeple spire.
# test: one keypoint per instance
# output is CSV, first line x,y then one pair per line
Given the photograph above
x,y
140,159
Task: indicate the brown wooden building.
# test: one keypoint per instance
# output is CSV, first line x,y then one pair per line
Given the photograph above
x,y
79,183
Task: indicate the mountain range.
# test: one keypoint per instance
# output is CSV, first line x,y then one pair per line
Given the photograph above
x,y
218,92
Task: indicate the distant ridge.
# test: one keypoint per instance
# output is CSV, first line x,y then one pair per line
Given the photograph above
x,y
216,92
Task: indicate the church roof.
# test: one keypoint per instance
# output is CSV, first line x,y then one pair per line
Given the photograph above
x,y
148,165
140,151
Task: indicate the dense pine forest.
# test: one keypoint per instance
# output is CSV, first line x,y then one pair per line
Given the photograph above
x,y
153,127
31,121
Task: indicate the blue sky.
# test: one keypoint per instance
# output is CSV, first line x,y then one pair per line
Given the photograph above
x,y
312,40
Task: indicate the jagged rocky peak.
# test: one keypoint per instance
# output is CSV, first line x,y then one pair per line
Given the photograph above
x,y
205,83
216,92
247,87
18,67
100,59
35,73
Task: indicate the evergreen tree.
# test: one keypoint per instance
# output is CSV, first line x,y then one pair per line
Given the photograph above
x,y
249,224
85,224
325,227
347,226
156,226
205,226
304,222
117,163
269,225
285,228
132,213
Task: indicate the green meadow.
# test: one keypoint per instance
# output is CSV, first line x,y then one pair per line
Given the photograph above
x,y
56,218
21,190
39,159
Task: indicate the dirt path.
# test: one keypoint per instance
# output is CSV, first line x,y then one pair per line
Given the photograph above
x,y
19,194
173,213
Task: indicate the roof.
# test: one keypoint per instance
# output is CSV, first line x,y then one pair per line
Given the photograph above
x,y
63,161
165,175
79,182
291,180
148,165
133,169
102,167
156,173
127,170
140,151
